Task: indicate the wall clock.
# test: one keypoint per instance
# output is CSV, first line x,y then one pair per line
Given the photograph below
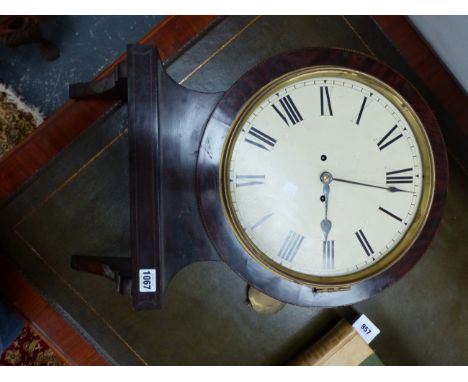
x,y
322,175
319,177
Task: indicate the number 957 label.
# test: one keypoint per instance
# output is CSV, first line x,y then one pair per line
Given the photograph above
x,y
366,328
147,280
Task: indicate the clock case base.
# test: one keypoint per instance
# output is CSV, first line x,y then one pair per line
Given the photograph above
x,y
165,124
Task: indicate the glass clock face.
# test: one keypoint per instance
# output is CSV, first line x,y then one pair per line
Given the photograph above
x,y
323,174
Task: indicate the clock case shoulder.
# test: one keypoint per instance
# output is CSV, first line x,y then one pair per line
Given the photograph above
x,y
165,126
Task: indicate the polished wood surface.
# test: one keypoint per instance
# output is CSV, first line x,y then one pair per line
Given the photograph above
x,y
216,223
144,144
62,127
59,130
430,69
164,137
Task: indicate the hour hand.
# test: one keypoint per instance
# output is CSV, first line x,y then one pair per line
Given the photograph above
x,y
326,227
326,224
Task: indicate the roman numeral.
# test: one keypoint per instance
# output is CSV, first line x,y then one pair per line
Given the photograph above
x,y
290,113
259,139
329,254
262,220
325,107
249,180
363,105
290,246
384,143
365,244
390,214
398,176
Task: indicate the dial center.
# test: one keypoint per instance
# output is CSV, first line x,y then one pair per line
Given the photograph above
x,y
326,177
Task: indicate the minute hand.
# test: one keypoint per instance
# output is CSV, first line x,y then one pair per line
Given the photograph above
x,y
391,189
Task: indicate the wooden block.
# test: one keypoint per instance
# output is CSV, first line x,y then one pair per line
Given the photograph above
x,y
341,346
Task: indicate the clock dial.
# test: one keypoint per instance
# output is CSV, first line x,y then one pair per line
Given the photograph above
x,y
323,174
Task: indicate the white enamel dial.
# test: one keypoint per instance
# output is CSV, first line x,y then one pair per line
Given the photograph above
x,y
325,176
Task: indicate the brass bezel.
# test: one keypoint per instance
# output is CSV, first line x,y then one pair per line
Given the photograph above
x,y
428,181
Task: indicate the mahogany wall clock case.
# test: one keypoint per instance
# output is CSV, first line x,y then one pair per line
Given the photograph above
x,y
317,173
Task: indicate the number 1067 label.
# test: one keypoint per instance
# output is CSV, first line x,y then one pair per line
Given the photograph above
x,y
147,280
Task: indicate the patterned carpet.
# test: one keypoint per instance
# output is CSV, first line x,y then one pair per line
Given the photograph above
x,y
29,350
17,120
